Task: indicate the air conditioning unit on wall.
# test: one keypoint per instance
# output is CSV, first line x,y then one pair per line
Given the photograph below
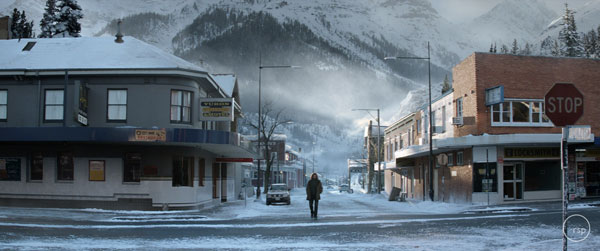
x,y
457,120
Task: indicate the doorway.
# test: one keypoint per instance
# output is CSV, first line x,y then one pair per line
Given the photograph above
x,y
223,182
513,181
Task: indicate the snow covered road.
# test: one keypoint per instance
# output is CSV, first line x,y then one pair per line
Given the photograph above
x,y
347,222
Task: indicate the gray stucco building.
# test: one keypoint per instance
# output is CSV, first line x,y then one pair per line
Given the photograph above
x,y
91,122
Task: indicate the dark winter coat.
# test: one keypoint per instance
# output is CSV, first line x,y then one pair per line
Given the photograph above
x,y
314,189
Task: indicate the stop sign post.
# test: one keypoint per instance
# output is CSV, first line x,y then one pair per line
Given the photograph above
x,y
564,106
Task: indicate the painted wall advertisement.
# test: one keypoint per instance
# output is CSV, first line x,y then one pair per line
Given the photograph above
x,y
216,109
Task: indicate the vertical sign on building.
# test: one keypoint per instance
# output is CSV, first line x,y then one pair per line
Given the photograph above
x,y
81,101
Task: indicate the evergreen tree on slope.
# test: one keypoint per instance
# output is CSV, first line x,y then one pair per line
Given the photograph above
x,y
68,18
49,20
568,36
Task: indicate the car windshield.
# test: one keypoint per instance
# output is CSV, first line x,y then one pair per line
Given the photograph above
x,y
278,187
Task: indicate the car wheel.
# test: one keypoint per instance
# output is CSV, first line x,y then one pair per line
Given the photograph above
x,y
350,191
289,202
268,203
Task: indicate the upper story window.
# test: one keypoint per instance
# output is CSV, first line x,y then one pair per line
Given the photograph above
x,y
520,113
117,105
181,106
3,104
459,107
443,119
418,126
53,105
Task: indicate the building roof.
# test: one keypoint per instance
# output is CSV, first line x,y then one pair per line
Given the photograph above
x,y
87,53
226,82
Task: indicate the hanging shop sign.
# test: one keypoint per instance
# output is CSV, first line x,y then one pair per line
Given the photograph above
x,y
494,95
216,109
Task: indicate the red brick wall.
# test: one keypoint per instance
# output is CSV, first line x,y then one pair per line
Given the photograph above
x,y
523,77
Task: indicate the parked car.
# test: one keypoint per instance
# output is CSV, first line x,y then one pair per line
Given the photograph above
x,y
278,193
346,188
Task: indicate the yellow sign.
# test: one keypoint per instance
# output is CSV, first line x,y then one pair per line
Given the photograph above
x,y
96,170
531,152
151,135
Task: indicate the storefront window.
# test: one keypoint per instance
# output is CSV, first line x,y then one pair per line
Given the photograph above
x,y
485,173
542,175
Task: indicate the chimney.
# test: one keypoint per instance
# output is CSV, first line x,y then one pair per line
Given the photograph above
x,y
119,35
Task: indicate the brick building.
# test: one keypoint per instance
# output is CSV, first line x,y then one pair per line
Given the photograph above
x,y
511,145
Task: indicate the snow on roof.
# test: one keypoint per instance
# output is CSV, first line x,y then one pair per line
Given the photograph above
x,y
226,82
87,53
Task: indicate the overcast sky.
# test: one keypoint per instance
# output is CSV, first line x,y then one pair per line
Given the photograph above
x,y
458,11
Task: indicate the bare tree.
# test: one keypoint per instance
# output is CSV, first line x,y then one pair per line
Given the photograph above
x,y
270,120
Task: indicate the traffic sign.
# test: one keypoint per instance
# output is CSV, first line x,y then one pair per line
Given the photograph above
x,y
564,104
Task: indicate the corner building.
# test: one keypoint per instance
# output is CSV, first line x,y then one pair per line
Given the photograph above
x,y
90,122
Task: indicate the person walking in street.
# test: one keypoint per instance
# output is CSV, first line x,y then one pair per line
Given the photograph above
x,y
313,194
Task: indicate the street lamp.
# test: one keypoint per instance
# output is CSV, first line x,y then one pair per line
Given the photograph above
x,y
378,146
428,58
260,67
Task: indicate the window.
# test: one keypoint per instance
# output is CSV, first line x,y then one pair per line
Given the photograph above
x,y
450,159
181,106
433,122
201,171
479,174
443,119
10,169
36,168
53,105
183,171
132,167
520,113
65,166
418,126
459,158
3,104
459,107
542,175
116,105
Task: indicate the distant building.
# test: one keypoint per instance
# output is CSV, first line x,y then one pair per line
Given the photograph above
x,y
508,151
372,133
89,122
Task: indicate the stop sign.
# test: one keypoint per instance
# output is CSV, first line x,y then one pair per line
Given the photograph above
x,y
564,104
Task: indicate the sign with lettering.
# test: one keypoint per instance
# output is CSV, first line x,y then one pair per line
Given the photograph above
x,y
564,104
81,99
531,152
216,109
96,170
150,135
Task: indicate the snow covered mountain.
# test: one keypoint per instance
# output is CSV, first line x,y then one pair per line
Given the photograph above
x,y
511,19
340,45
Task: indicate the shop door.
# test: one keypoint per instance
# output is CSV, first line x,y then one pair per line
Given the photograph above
x,y
513,181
